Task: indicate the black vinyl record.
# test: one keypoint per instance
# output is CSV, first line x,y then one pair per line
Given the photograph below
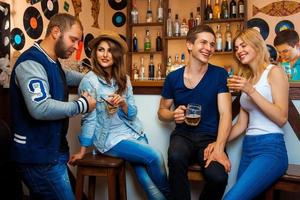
x,y
283,25
33,22
259,24
17,39
49,7
87,39
272,51
119,19
4,29
117,4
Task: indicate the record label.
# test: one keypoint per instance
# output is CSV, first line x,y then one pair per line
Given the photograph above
x,y
33,22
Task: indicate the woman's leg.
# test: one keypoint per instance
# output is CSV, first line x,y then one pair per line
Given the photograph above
x,y
268,162
141,155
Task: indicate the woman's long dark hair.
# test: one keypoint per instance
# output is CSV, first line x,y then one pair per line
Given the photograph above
x,y
118,71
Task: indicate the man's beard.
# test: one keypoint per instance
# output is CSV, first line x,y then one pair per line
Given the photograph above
x,y
60,49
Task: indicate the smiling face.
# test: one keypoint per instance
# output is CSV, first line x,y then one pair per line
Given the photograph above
x,y
287,52
104,55
68,41
244,52
203,47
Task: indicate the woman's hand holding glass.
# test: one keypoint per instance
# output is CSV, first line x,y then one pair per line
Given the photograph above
x,y
239,83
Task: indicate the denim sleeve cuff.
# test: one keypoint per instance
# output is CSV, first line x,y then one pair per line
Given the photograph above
x,y
86,142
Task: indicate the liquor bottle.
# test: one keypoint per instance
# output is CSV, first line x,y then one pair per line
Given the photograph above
x,y
238,29
159,72
142,69
208,11
160,12
135,72
224,10
134,13
149,13
217,10
151,68
184,28
169,24
176,64
228,38
182,61
169,65
233,9
241,8
219,41
134,43
176,27
147,41
191,21
198,17
158,42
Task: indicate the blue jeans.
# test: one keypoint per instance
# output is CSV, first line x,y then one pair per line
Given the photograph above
x,y
148,165
48,182
264,160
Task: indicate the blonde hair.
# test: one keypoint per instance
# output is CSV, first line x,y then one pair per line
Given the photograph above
x,y
253,38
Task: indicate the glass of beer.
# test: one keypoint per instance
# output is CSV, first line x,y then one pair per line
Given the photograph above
x,y
193,114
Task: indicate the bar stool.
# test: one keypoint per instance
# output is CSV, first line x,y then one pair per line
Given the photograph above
x,y
194,173
289,182
104,166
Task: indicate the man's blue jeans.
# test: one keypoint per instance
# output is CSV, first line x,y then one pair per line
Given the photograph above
x,y
148,164
264,159
48,182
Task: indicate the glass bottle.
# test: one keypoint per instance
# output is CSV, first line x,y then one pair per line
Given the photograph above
x,y
217,10
241,8
135,72
169,65
169,24
176,64
228,38
158,42
191,21
238,29
160,12
134,43
159,72
224,10
182,61
151,68
176,27
219,41
184,28
233,9
149,13
208,11
134,13
147,41
198,17
142,69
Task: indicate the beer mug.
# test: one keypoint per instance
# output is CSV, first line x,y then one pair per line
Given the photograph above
x,y
193,114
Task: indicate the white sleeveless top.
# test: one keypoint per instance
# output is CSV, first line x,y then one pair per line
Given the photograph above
x,y
259,123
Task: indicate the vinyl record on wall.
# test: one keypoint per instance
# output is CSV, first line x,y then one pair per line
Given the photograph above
x,y
283,25
49,7
117,4
17,39
4,29
119,19
33,22
260,25
272,51
87,39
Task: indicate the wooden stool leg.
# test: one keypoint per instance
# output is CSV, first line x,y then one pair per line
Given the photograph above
x,y
92,185
79,184
122,183
269,195
111,180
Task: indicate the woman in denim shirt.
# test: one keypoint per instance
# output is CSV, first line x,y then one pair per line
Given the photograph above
x,y
113,128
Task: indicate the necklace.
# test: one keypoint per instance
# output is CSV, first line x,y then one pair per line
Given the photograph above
x,y
192,83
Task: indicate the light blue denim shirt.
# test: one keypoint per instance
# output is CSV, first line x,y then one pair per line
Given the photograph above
x,y
95,126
